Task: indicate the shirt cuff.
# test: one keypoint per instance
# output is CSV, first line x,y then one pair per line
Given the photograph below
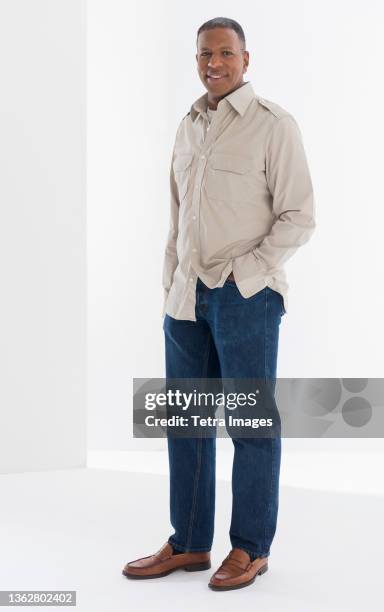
x,y
248,271
166,293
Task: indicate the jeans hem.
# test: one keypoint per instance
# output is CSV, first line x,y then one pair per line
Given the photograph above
x,y
183,549
259,555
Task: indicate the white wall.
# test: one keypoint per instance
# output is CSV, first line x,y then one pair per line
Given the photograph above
x,y
321,61
42,235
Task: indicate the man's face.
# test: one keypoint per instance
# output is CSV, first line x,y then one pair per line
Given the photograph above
x,y
220,61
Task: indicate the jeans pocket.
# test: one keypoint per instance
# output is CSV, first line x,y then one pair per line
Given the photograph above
x,y
279,296
283,311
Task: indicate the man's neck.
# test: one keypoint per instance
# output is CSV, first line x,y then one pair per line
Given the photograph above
x,y
214,101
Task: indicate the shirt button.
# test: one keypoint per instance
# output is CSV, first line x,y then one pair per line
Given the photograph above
x,y
194,217
203,157
191,280
208,128
194,250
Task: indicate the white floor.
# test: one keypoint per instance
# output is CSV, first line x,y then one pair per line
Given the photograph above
x,y
75,529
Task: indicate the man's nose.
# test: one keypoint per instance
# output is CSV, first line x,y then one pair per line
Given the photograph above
x,y
215,60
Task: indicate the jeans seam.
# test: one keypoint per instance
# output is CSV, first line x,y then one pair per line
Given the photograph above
x,y
198,467
195,490
265,334
268,512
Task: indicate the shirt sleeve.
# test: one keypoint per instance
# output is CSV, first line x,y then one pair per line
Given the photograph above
x,y
290,185
170,257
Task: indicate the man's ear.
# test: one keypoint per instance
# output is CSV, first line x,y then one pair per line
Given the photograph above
x,y
246,60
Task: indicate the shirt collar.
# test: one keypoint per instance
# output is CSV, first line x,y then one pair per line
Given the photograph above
x,y
239,99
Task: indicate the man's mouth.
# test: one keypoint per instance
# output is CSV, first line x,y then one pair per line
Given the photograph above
x,y
215,77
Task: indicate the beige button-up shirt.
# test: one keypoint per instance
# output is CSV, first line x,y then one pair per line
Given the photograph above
x,y
241,199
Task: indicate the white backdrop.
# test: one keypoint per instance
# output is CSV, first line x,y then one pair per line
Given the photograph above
x,y
42,235
319,60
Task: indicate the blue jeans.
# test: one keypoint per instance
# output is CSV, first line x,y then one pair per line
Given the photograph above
x,y
233,337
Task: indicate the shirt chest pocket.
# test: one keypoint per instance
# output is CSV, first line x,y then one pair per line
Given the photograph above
x,y
233,178
182,171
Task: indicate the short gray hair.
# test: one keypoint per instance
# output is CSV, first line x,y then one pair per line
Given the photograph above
x,y
222,22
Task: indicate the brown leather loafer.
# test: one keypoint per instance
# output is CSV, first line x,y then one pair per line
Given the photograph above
x,y
237,571
164,561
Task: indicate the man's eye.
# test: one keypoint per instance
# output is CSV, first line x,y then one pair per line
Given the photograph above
x,y
204,53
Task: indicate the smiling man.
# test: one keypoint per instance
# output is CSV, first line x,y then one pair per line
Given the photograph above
x,y
225,75
241,205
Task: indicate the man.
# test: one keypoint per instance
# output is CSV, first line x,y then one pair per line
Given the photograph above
x,y
241,204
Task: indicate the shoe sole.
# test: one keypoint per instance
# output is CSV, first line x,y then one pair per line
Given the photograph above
x,y
261,571
190,567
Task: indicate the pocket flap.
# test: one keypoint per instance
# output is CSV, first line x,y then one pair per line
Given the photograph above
x,y
230,163
182,162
